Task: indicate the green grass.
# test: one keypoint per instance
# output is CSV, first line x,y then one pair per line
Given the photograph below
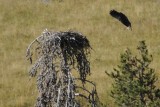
x,y
21,21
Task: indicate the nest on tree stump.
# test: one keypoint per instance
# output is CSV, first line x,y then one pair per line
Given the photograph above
x,y
57,54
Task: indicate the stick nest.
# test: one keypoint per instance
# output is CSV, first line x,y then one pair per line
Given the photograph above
x,y
70,48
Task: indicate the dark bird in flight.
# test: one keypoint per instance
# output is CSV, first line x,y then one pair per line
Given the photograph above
x,y
122,18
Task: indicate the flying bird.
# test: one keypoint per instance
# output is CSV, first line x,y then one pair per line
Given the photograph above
x,y
122,18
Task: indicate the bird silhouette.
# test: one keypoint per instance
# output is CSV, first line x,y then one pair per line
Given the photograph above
x,y
122,18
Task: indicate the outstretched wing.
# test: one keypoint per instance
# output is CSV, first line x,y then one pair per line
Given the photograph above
x,y
115,14
121,17
125,20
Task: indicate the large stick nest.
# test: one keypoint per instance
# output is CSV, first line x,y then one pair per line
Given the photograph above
x,y
72,48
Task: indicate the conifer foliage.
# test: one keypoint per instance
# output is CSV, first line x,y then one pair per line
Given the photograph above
x,y
134,84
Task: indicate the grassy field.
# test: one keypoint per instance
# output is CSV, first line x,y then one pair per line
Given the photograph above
x,y
21,21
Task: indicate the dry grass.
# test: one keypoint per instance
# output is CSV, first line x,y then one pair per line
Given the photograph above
x,y
22,21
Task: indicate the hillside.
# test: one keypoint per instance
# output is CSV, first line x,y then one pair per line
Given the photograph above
x,y
22,21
